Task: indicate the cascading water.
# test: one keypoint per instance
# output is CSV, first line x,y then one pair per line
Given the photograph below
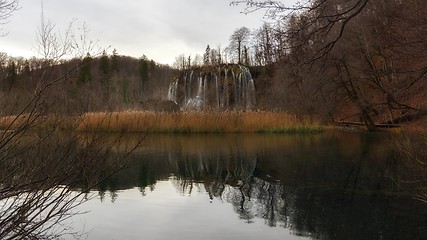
x,y
226,86
173,90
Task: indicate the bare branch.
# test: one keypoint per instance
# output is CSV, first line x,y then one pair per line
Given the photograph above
x,y
7,7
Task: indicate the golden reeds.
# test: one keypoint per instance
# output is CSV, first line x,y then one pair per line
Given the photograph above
x,y
196,122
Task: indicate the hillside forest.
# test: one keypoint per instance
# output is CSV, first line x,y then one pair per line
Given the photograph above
x,y
352,61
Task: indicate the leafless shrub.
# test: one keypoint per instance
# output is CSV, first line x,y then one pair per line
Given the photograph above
x,y
46,169
412,148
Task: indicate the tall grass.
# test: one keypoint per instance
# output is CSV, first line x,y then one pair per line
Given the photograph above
x,y
197,122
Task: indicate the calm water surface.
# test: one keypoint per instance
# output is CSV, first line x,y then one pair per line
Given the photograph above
x,y
327,186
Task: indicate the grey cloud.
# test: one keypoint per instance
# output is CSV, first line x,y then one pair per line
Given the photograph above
x,y
155,27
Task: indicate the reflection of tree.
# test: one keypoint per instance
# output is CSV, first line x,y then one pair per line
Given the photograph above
x,y
327,193
411,149
329,187
140,171
231,178
44,176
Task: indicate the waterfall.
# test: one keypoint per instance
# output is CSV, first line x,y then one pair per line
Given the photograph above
x,y
217,91
200,88
205,89
251,93
225,90
173,90
226,86
185,88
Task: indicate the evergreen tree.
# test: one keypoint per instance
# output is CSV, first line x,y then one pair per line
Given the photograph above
x,y
115,61
104,64
27,68
143,70
206,56
11,74
85,75
152,66
104,68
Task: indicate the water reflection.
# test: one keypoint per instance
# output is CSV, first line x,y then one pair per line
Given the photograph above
x,y
326,186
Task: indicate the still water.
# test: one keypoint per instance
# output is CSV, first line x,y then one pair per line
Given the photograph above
x,y
335,185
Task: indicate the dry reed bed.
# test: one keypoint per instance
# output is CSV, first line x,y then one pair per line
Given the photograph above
x,y
196,122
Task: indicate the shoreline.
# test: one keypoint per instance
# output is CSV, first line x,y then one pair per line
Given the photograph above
x,y
187,122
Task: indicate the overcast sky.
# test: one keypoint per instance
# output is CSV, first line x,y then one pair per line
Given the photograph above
x,y
160,29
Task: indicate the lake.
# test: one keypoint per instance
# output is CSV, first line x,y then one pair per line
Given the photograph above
x,y
334,185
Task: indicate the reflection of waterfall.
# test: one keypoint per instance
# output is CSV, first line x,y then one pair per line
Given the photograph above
x,y
300,183
230,177
223,86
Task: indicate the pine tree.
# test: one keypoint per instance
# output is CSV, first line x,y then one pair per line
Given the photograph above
x,y
104,64
11,74
143,69
115,61
206,56
85,75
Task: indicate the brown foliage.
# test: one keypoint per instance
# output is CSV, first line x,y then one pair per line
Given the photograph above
x,y
359,60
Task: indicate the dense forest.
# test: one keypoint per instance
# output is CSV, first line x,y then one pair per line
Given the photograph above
x,y
104,83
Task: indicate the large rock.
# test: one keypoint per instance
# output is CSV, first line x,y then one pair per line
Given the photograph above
x,y
160,106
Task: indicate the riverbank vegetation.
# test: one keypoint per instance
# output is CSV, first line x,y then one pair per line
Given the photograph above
x,y
170,122
198,122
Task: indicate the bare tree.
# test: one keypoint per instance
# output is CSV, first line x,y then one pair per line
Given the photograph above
x,y
51,44
371,54
264,45
324,20
412,149
44,178
55,45
46,167
380,56
238,41
180,62
7,7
